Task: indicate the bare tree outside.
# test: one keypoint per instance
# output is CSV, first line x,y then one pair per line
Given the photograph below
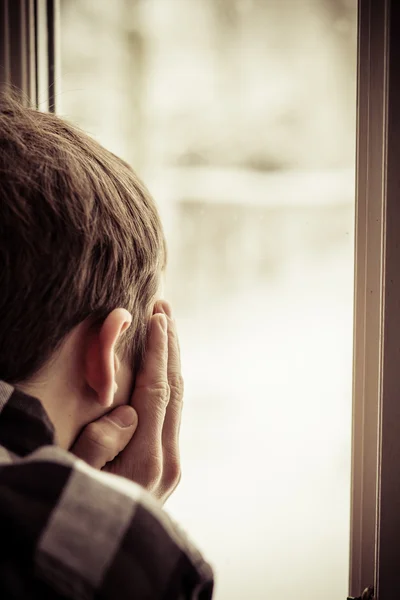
x,y
240,117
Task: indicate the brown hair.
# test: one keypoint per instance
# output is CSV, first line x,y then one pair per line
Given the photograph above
x,y
79,236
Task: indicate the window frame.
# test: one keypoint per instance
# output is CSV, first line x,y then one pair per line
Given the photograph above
x,y
375,497
29,50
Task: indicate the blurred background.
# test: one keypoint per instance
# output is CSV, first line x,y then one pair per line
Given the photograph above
x,y
240,117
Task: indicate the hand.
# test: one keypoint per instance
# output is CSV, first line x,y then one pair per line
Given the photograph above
x,y
102,440
151,457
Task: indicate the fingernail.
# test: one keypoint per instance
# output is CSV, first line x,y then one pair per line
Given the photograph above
x,y
125,417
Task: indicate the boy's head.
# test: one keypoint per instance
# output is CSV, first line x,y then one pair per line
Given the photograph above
x,y
79,237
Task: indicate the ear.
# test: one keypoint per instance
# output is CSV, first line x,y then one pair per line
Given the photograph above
x,y
101,363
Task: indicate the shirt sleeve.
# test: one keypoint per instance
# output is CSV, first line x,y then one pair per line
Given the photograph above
x,y
96,535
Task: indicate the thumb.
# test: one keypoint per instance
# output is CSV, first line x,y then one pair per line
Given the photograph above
x,y
101,440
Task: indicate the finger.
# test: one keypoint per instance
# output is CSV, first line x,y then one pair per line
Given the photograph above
x,y
154,368
173,416
102,440
174,354
151,394
176,384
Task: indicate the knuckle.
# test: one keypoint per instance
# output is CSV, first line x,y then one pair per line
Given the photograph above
x,y
161,388
177,385
160,391
152,472
172,474
96,434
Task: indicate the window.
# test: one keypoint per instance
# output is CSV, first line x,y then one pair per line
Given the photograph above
x,y
240,116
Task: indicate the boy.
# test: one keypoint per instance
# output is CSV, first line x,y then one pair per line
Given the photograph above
x,y
90,382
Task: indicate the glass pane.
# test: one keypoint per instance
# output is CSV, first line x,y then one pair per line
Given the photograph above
x,y
240,117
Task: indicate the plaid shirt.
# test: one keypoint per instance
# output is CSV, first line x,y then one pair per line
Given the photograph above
x,y
70,531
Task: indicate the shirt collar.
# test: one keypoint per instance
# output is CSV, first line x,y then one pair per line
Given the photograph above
x,y
24,423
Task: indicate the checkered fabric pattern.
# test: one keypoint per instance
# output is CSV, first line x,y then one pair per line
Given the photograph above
x,y
71,531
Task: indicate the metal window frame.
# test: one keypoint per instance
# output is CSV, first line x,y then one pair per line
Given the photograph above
x,y
375,501
29,52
